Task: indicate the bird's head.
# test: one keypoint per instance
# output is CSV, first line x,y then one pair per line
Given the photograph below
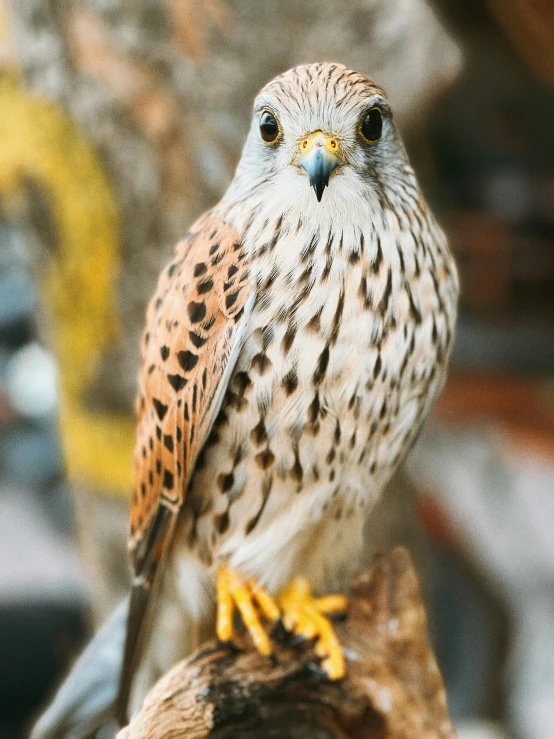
x,y
322,126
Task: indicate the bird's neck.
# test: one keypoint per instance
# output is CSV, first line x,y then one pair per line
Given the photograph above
x,y
285,229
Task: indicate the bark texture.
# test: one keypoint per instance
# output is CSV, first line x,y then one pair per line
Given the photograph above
x,y
393,688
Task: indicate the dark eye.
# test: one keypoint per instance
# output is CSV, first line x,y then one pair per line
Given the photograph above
x,y
269,128
372,126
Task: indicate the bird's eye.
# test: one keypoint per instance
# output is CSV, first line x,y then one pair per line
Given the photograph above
x,y
372,126
269,128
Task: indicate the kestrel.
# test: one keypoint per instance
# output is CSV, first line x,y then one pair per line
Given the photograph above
x,y
292,350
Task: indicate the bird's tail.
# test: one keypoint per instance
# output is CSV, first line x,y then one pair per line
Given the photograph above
x,y
87,699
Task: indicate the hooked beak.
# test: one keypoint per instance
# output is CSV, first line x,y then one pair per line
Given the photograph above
x,y
319,156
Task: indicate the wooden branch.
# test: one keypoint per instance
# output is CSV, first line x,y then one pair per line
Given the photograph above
x,y
393,688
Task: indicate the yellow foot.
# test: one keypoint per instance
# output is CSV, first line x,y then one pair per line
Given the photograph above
x,y
249,598
306,616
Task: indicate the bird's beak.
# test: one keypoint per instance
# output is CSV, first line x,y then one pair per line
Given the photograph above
x,y
319,156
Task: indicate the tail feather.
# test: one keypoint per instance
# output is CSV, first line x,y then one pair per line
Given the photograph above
x,y
86,701
138,604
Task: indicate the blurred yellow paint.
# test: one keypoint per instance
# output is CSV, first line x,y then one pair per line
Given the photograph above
x,y
41,145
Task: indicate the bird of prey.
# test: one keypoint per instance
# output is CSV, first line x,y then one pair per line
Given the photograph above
x,y
292,350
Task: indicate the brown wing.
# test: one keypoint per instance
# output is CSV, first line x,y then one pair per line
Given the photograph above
x,y
193,328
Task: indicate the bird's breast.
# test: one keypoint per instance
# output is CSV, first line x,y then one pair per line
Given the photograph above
x,y
341,360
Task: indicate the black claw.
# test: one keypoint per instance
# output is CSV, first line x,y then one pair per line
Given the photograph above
x,y
273,659
278,631
317,670
295,640
337,617
221,646
228,646
286,638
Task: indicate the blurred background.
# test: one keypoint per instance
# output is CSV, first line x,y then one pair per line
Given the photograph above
x,y
120,121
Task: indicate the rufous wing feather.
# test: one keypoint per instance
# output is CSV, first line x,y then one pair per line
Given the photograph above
x,y
193,328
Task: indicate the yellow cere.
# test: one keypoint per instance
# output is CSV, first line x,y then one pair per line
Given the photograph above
x,y
330,142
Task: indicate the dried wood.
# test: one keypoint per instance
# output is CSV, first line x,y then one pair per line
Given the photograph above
x,y
393,688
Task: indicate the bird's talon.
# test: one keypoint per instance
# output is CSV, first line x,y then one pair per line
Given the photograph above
x,y
303,616
246,597
295,640
229,647
306,616
337,617
284,636
278,631
332,605
289,624
307,630
316,669
320,650
220,646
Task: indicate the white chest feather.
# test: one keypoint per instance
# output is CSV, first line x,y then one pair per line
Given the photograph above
x,y
342,357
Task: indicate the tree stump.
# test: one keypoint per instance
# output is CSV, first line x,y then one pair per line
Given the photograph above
x,y
393,688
